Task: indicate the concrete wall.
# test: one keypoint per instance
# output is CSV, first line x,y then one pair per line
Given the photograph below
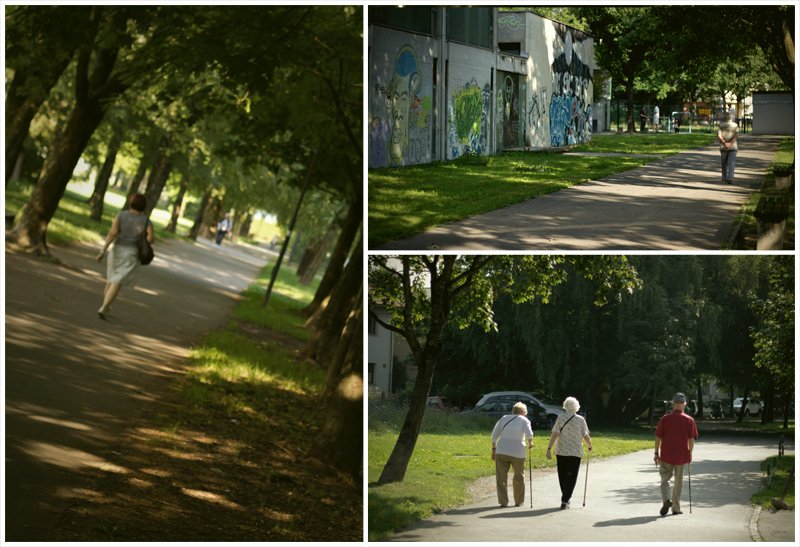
x,y
400,98
379,353
490,100
469,100
773,113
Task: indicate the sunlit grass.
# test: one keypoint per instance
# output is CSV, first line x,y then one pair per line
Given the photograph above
x,y
778,482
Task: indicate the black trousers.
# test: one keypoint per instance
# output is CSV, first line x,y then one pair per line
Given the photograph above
x,y
568,467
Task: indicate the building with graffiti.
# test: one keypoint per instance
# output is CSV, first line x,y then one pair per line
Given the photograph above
x,y
447,81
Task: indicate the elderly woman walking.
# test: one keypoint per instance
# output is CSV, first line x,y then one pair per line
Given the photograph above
x,y
508,448
568,432
123,261
728,134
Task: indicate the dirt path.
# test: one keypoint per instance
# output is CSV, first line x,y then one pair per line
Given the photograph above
x,y
73,381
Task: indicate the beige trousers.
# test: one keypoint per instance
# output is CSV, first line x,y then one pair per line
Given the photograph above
x,y
501,465
666,470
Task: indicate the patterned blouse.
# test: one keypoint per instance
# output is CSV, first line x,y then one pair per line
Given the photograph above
x,y
570,440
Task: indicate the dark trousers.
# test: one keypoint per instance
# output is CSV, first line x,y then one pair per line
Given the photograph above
x,y
221,236
568,467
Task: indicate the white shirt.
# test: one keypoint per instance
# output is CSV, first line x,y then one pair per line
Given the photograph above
x,y
655,114
510,433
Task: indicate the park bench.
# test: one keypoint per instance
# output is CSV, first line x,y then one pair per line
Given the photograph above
x,y
771,214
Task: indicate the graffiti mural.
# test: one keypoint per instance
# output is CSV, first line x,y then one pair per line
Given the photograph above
x,y
399,131
570,110
508,23
468,118
537,121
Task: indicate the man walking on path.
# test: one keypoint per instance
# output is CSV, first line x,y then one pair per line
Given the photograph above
x,y
675,434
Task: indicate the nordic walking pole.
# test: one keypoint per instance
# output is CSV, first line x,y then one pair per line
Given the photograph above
x,y
690,488
586,482
530,473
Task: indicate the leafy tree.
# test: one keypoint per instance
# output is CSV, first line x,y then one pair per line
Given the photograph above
x,y
625,39
424,293
774,336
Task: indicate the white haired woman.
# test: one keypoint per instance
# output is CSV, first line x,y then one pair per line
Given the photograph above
x,y
508,448
568,432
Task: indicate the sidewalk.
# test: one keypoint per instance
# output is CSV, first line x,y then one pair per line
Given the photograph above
x,y
623,502
74,381
675,203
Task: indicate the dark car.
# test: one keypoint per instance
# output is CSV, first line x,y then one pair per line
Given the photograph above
x,y
502,407
716,408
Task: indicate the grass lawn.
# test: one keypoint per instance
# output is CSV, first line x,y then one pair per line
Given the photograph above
x,y
452,451
408,200
773,488
749,230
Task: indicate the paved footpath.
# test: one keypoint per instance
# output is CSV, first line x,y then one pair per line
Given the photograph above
x,y
623,502
674,203
73,381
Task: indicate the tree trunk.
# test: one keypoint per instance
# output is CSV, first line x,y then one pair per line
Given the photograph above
x,y
333,317
314,255
397,465
16,174
699,399
21,108
340,443
93,71
30,232
198,218
136,183
350,228
342,347
159,175
629,115
746,394
101,184
177,205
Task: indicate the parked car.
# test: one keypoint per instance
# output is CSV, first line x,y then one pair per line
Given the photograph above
x,y
438,404
553,410
714,408
499,407
753,408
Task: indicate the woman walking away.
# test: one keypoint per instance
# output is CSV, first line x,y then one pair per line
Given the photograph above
x,y
508,448
728,134
569,430
123,260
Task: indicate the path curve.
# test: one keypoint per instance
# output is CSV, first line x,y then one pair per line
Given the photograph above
x,y
74,381
623,501
674,203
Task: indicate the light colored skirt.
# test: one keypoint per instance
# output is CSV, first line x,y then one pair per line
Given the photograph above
x,y
123,265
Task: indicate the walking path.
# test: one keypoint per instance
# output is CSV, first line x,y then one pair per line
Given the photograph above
x,y
674,203
73,382
623,502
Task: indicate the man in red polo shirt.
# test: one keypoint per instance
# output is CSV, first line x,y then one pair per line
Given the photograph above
x,y
675,434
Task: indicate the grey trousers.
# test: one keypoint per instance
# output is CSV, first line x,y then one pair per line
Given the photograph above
x,y
666,470
728,162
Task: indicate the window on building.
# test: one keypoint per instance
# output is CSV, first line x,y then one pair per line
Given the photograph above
x,y
371,373
510,47
471,26
371,325
419,19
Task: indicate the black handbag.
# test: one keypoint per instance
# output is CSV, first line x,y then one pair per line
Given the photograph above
x,y
146,253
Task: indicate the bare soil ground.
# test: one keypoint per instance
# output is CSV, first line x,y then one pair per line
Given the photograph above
x,y
176,480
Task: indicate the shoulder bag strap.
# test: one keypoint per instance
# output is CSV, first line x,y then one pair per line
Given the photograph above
x,y
565,424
